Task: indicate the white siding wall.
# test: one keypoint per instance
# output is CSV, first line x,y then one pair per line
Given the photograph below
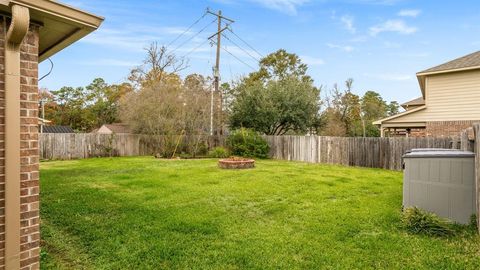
x,y
449,97
454,96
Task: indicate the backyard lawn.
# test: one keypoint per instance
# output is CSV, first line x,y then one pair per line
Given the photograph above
x,y
140,213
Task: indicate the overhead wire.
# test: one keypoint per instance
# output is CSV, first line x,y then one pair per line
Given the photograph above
x,y
246,43
188,29
246,51
192,37
195,48
241,48
234,56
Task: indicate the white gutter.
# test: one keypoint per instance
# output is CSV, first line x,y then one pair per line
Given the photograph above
x,y
15,35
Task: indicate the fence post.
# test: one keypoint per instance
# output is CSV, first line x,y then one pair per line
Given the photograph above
x,y
476,129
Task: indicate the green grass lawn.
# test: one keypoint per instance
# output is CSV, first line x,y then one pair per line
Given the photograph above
x,y
144,213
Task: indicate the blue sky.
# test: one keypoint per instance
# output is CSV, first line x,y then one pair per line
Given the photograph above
x,y
381,44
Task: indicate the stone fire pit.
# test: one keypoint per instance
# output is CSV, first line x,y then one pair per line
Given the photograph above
x,y
236,163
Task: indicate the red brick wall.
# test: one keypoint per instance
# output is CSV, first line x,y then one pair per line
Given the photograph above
x,y
30,218
417,132
448,128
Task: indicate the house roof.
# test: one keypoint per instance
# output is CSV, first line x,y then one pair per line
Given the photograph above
x,y
467,62
57,129
379,122
118,128
62,25
414,102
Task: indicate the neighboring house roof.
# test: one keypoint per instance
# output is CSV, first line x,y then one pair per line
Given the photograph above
x,y
379,122
118,128
415,102
467,62
61,24
57,129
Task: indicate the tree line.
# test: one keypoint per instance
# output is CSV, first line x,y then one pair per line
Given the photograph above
x,y
279,98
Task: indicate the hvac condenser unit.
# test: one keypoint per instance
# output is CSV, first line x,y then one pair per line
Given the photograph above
x,y
440,181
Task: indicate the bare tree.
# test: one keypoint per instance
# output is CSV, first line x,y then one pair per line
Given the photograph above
x,y
156,66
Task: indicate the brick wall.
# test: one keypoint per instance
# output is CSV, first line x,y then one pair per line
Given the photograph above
x,y
447,128
417,132
30,219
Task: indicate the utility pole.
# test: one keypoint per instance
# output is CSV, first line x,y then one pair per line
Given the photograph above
x,y
216,71
42,103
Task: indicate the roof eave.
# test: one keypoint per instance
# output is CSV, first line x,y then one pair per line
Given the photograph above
x,y
83,22
67,41
423,74
421,82
60,10
379,122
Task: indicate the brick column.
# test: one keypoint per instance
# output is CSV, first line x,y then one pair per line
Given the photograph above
x,y
30,217
30,202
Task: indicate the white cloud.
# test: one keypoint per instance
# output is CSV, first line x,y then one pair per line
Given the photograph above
x,y
409,12
392,45
359,39
413,54
285,6
333,15
389,76
132,41
348,23
376,2
136,38
312,61
111,62
397,26
289,7
344,48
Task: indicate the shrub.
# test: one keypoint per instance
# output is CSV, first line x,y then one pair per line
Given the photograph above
x,y
422,222
247,143
218,152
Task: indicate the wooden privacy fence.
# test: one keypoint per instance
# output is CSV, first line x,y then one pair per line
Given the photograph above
x,y
66,146
364,152
383,153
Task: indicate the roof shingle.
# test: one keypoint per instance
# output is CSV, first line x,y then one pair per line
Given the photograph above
x,y
57,129
467,61
415,102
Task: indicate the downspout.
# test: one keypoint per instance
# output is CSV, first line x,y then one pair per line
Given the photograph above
x,y
15,35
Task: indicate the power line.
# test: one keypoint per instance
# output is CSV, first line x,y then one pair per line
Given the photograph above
x,y
246,43
188,29
196,48
245,51
248,53
240,60
192,37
